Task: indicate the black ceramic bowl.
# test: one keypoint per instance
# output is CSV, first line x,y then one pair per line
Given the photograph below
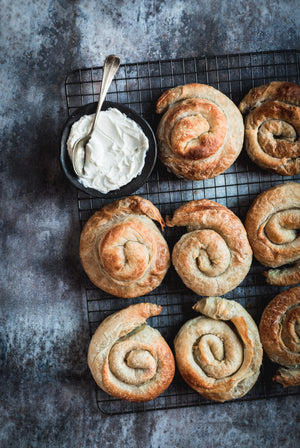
x,y
138,181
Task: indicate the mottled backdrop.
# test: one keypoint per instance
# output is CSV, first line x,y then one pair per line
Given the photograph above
x,y
46,392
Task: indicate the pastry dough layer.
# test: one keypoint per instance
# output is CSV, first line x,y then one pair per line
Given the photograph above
x,y
214,256
273,225
279,330
219,354
127,358
121,249
272,126
201,132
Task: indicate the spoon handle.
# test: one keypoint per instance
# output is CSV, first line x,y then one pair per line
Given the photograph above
x,y
110,68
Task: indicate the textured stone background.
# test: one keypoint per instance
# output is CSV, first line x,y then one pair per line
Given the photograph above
x,y
46,393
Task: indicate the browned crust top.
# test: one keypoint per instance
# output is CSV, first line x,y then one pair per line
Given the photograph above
x,y
226,385
121,249
283,198
272,127
201,132
214,256
277,90
118,329
272,324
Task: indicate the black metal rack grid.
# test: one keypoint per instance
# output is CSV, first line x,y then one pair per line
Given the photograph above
x,y
138,86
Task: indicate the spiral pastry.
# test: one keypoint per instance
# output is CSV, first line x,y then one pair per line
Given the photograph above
x,y
279,330
127,358
121,249
272,225
272,127
219,354
201,132
214,256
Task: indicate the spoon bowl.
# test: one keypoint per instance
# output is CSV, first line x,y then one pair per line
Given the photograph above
x,y
78,155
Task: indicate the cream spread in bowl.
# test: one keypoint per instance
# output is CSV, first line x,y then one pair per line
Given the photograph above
x,y
115,154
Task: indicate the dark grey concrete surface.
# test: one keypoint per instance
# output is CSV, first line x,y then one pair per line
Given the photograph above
x,y
46,392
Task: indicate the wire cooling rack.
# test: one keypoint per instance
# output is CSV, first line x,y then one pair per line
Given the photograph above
x,y
138,86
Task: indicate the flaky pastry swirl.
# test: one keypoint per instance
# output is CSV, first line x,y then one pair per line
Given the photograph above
x,y
201,132
219,354
272,126
214,256
273,225
128,359
279,331
121,249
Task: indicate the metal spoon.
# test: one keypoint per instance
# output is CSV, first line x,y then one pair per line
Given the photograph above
x,y
110,68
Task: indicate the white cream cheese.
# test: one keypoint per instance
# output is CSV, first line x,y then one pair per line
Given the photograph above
x,y
115,153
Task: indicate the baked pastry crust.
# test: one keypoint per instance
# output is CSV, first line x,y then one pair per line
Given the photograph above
x,y
272,126
288,377
214,256
121,249
128,359
279,331
201,132
272,225
219,354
